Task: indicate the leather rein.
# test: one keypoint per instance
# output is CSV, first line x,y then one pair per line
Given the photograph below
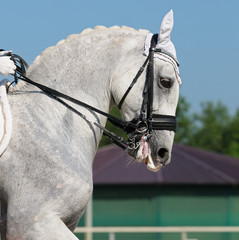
x,y
138,127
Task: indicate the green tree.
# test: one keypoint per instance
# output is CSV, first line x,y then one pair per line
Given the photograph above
x,y
185,124
106,141
231,136
211,125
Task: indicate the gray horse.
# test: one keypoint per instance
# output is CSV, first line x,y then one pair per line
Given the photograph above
x,y
46,171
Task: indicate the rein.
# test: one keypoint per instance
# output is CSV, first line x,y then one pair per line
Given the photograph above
x,y
138,127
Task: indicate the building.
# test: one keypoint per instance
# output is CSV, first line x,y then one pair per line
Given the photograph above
x,y
198,188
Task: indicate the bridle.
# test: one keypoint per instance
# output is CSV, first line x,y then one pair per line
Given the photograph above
x,y
138,127
147,121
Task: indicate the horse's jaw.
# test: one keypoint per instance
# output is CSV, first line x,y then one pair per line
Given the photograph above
x,y
143,154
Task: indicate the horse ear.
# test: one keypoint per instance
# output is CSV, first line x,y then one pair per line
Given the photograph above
x,y
166,27
164,41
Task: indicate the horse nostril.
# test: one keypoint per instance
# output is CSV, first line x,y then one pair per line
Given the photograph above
x,y
164,155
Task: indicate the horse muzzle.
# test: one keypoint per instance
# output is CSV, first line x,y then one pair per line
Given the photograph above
x,y
153,160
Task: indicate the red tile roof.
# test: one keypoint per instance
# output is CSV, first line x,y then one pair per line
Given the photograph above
x,y
188,166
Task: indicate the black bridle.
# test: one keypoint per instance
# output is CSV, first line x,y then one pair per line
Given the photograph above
x,y
147,121
138,127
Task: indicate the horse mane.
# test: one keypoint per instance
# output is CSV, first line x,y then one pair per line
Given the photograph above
x,y
94,34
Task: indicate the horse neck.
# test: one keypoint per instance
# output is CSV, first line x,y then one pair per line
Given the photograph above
x,y
85,65
85,73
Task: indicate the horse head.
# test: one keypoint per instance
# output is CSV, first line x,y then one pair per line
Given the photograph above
x,y
153,145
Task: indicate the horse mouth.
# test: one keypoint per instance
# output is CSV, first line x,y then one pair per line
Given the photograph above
x,y
143,154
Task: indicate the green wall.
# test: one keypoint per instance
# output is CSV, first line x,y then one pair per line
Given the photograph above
x,y
166,206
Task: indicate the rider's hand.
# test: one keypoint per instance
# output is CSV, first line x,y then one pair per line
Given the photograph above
x,y
7,66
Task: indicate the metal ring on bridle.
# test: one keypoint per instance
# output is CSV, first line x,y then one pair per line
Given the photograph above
x,y
141,127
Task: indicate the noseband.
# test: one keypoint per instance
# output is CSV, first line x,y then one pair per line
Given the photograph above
x,y
138,127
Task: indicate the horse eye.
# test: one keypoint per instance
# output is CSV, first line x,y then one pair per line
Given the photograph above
x,y
166,83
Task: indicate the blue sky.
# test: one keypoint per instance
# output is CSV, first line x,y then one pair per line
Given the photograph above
x,y
206,36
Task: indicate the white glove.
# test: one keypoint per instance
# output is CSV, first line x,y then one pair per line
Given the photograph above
x,y
7,66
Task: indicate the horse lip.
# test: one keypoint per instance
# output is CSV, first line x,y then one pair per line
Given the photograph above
x,y
151,166
156,169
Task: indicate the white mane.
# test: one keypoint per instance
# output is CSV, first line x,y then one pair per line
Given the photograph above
x,y
88,36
